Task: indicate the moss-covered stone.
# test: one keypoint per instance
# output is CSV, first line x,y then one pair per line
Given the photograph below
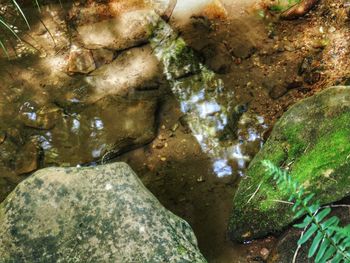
x,y
100,214
313,140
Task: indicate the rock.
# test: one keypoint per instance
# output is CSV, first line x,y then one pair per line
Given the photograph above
x,y
217,58
287,244
312,77
2,137
313,138
43,118
244,47
102,56
80,61
136,68
277,91
127,30
5,188
28,157
100,214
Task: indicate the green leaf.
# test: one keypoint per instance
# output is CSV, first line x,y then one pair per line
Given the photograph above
x,y
323,247
299,213
307,234
338,258
313,208
296,205
308,198
306,222
322,214
329,253
315,244
333,221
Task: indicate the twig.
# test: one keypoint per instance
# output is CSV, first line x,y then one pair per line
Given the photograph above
x,y
53,39
283,202
299,246
256,191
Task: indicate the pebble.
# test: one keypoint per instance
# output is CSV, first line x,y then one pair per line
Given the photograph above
x,y
163,159
200,179
2,137
264,252
174,128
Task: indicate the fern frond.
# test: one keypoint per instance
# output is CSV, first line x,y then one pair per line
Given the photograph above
x,y
329,241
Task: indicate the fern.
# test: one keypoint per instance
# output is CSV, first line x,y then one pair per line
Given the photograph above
x,y
330,242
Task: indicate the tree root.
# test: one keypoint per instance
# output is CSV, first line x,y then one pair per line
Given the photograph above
x,y
299,10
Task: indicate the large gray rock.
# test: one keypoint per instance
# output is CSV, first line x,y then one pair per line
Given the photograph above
x,y
312,139
100,214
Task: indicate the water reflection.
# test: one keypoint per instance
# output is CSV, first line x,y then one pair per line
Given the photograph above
x,y
224,130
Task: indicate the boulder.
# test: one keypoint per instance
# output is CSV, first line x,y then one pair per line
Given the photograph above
x,y
312,140
96,214
128,29
134,69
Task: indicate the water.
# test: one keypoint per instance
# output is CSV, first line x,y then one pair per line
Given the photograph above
x,y
192,173
221,127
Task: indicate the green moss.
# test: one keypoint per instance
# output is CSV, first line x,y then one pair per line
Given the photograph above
x,y
313,140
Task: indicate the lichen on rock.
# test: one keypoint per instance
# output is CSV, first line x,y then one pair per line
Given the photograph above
x,y
99,214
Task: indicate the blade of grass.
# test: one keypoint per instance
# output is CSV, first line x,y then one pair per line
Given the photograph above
x,y
38,5
21,12
3,47
8,27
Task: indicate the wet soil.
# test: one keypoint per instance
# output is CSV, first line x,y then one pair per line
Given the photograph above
x,y
267,63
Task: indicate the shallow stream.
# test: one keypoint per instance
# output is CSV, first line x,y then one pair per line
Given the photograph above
x,y
188,127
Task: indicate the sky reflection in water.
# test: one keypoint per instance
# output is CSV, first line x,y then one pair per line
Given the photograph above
x,y
210,111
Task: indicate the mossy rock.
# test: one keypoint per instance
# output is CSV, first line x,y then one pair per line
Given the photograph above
x,y
96,214
313,139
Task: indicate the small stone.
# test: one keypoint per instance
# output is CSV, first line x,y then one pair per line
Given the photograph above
x,y
289,48
200,179
331,29
159,145
174,128
163,159
264,252
2,137
80,61
277,91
